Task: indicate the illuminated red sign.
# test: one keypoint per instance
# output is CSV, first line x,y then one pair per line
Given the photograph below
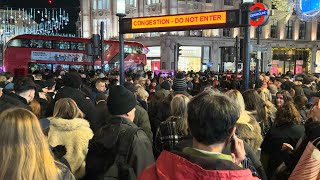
x,y
259,14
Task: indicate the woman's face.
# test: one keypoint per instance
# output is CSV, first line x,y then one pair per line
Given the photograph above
x,y
279,100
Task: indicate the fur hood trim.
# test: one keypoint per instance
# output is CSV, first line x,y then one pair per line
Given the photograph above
x,y
69,124
245,119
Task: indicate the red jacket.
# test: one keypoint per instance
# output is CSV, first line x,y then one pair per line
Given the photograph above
x,y
184,167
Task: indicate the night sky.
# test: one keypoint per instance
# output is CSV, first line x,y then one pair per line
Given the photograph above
x,y
71,6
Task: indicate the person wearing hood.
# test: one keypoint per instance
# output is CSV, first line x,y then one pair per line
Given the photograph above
x,y
69,129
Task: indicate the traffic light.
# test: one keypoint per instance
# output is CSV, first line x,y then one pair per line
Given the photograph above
x,y
93,48
179,50
96,44
50,2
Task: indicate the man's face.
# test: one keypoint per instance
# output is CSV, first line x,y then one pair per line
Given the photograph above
x,y
101,87
28,95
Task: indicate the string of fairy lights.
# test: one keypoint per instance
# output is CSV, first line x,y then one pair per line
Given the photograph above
x,y
42,21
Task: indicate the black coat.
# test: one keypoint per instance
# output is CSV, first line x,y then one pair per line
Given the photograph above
x,y
11,100
103,149
84,103
271,154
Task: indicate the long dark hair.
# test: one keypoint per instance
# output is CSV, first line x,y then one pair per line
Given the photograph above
x,y
254,102
288,113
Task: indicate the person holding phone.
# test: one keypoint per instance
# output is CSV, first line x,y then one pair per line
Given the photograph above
x,y
211,121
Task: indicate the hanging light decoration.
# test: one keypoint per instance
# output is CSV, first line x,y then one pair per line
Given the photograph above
x,y
32,21
284,9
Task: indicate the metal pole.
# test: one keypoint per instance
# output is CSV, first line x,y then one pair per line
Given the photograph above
x,y
222,59
258,58
121,48
237,55
246,62
175,49
102,45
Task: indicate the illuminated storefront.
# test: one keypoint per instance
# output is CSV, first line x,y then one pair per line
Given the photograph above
x,y
190,58
153,58
296,60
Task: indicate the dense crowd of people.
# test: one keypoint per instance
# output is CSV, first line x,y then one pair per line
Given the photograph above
x,y
191,125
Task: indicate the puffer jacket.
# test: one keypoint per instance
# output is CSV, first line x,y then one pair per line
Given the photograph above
x,y
189,167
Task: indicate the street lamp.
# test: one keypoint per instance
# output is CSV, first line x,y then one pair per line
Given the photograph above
x,y
121,9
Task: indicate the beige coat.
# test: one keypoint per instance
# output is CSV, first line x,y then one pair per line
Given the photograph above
x,y
74,134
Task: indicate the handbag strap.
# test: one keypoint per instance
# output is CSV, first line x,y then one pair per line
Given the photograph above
x,y
125,144
317,141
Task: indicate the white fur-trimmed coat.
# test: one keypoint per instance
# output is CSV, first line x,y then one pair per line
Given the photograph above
x,y
74,134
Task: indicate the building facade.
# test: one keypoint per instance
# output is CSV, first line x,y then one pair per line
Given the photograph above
x,y
286,46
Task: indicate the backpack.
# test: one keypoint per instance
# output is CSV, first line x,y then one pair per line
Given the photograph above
x,y
120,169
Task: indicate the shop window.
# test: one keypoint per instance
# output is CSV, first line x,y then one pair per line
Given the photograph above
x,y
226,32
302,30
228,2
289,29
274,29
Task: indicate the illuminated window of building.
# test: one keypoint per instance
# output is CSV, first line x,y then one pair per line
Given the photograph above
x,y
132,3
318,31
274,29
152,1
228,2
207,33
226,32
101,4
302,30
289,29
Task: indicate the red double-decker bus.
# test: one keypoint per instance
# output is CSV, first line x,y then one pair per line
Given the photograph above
x,y
24,54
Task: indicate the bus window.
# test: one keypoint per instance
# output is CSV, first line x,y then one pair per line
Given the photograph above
x,y
107,46
60,67
19,43
127,49
77,46
38,67
137,49
61,45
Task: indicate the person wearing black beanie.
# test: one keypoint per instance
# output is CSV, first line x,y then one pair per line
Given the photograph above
x,y
121,104
120,101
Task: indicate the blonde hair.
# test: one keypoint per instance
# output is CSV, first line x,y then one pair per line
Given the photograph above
x,y
3,78
142,93
66,108
25,152
238,99
179,109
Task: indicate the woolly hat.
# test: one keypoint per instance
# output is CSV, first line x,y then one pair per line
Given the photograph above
x,y
72,80
179,83
165,85
120,100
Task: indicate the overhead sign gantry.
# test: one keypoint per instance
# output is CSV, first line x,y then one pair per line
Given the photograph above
x,y
193,21
180,22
